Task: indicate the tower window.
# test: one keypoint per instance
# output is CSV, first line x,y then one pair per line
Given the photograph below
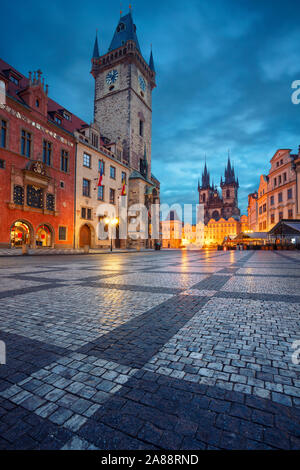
x,y
141,128
37,103
26,144
47,151
64,161
228,194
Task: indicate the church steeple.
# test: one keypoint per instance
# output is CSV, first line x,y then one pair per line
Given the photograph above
x,y
125,31
96,54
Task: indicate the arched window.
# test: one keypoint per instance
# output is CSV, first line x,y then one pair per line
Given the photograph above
x,y
227,193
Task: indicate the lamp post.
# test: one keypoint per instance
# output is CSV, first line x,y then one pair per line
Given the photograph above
x,y
111,222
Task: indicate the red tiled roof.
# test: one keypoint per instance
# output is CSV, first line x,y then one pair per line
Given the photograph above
x,y
75,123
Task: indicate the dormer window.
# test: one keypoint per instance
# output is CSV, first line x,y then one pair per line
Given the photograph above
x,y
57,120
14,80
121,27
67,116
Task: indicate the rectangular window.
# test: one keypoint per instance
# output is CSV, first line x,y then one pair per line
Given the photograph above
x,y
62,233
50,202
260,210
47,152
264,225
113,172
87,160
19,195
100,193
64,161
290,193
141,128
3,134
124,179
101,164
83,213
264,207
280,215
272,218
284,177
86,187
279,179
57,120
26,143
290,213
89,214
112,196
275,181
280,197
272,200
2,163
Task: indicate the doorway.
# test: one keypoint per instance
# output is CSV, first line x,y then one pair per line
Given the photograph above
x,y
84,236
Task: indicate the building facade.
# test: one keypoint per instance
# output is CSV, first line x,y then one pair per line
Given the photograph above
x,y
172,231
217,230
37,158
252,211
124,82
277,195
48,192
216,205
94,202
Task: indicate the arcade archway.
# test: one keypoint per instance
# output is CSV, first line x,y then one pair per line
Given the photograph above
x,y
20,234
44,236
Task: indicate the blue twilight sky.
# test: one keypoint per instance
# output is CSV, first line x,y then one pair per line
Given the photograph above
x,y
224,74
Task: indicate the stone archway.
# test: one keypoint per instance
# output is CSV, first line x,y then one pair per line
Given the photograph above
x,y
44,236
21,233
85,236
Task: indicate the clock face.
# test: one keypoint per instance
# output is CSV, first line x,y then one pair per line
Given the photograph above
x,y
112,77
142,83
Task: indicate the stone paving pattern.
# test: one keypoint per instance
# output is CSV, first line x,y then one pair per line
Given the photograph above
x,y
168,350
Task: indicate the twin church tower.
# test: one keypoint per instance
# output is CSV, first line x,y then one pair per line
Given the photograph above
x,y
124,82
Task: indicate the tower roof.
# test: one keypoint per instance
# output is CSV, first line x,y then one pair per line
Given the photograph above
x,y
96,49
125,31
229,173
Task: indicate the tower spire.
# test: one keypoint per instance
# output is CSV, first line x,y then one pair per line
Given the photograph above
x,y
96,54
151,61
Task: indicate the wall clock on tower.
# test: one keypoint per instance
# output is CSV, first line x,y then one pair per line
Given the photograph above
x,y
112,77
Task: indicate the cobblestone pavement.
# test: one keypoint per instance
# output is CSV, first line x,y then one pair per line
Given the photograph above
x,y
169,350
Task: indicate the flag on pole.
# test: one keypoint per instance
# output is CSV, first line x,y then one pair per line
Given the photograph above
x,y
123,193
101,175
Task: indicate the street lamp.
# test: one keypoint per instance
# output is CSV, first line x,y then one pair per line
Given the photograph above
x,y
111,222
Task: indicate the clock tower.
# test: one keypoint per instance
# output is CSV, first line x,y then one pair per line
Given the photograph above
x,y
123,95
